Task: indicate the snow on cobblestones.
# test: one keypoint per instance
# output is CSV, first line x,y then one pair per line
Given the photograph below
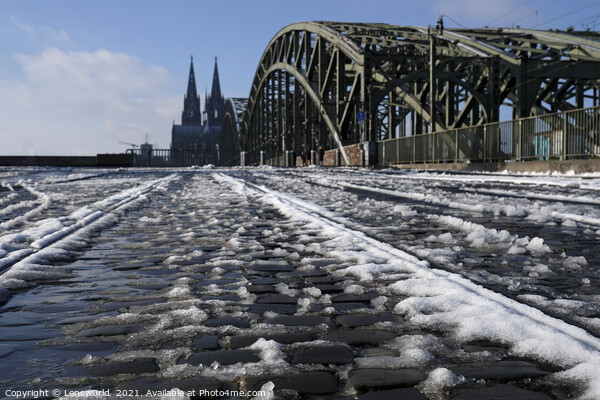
x,y
250,278
43,239
442,300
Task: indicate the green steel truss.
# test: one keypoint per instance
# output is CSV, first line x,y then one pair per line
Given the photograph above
x,y
333,84
233,117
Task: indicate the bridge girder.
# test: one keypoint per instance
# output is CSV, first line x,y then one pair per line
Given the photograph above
x,y
231,133
315,79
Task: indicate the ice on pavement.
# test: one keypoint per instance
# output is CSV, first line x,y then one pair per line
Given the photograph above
x,y
443,300
440,252
24,250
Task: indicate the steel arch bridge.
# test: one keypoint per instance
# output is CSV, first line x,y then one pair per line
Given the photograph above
x,y
233,117
334,84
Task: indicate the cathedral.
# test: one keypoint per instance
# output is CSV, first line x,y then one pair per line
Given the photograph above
x,y
198,136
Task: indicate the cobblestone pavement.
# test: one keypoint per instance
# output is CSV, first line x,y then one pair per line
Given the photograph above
x,y
217,282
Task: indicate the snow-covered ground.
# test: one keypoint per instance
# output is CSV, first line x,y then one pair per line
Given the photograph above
x,y
511,261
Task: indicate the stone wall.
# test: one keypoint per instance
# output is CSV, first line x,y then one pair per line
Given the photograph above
x,y
329,158
48,161
115,160
354,153
100,160
565,166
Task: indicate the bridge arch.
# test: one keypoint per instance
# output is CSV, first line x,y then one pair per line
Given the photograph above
x,y
293,103
332,84
231,133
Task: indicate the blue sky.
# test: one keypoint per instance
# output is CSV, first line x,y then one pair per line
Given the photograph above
x,y
77,77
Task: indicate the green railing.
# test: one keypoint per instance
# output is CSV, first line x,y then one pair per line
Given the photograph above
x,y
571,134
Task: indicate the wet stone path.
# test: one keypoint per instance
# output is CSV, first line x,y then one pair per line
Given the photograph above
x,y
213,292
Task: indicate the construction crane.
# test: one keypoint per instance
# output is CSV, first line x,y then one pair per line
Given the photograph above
x,y
130,144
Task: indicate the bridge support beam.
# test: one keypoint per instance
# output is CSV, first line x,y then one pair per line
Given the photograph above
x,y
330,84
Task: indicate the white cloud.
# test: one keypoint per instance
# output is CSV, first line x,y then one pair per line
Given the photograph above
x,y
85,102
23,27
42,34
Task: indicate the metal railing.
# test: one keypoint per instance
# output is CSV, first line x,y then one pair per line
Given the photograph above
x,y
172,158
571,134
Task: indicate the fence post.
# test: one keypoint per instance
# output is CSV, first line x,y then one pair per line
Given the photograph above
x,y
263,156
564,137
456,146
519,142
484,143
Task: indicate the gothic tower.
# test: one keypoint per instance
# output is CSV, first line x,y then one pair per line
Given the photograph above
x,y
191,101
215,103
199,136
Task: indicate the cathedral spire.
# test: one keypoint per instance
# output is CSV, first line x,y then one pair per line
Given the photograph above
x,y
215,92
214,105
191,103
191,89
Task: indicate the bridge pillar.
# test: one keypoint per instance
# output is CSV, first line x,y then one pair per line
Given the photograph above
x,y
369,154
290,159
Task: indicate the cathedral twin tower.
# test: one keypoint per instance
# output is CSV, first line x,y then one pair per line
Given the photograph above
x,y
197,133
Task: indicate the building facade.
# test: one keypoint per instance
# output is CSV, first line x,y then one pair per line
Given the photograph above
x,y
197,138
